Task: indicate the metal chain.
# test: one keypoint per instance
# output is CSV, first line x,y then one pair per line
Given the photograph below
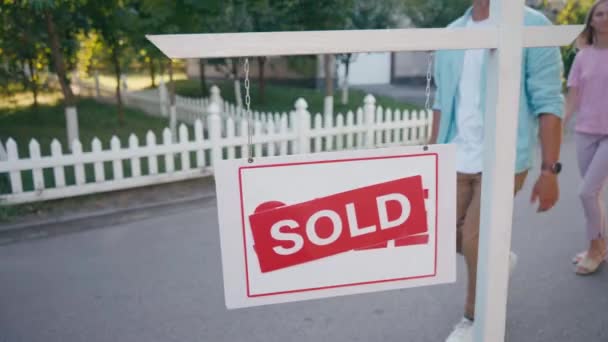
x,y
429,77
248,112
427,104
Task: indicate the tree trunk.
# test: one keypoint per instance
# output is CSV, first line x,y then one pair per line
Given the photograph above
x,y
329,80
71,114
33,85
203,77
171,84
261,79
117,73
152,72
57,55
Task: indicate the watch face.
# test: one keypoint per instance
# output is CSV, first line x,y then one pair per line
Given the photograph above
x,y
553,168
557,168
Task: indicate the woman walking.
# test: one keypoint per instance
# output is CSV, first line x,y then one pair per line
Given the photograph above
x,y
588,97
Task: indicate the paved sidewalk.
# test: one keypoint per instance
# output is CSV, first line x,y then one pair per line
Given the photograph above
x,y
86,212
160,279
414,94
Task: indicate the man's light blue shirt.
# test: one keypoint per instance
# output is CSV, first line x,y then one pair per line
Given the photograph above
x,y
541,89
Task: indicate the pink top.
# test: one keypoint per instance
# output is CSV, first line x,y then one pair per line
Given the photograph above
x,y
589,74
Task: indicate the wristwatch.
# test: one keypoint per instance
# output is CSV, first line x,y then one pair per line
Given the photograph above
x,y
554,168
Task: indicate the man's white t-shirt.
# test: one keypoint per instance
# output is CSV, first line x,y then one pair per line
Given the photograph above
x,y
469,118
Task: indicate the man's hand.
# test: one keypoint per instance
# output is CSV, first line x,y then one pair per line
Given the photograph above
x,y
546,190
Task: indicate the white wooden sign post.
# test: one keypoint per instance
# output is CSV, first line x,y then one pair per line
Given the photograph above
x,y
505,38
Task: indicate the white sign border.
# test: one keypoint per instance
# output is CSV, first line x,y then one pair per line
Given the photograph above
x,y
228,178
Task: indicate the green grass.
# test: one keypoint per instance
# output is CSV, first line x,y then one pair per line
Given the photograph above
x,y
282,98
10,212
47,122
20,121
95,120
135,81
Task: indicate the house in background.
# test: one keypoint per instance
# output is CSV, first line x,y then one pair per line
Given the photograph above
x,y
406,67
276,70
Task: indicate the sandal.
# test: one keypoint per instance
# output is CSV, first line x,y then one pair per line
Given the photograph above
x,y
588,266
578,257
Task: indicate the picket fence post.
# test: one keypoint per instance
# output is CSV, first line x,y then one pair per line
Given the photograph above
x,y
369,112
14,176
302,125
216,97
164,98
215,133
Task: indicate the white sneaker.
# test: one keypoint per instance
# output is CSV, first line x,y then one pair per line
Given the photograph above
x,y
463,331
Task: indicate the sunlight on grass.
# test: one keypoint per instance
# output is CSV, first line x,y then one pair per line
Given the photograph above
x,y
26,99
280,98
135,81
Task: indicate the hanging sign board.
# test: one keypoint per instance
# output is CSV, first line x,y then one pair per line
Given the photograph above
x,y
330,224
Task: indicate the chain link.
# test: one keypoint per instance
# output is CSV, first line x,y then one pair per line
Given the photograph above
x,y
429,77
427,104
248,112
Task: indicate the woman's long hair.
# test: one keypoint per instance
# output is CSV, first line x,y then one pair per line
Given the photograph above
x,y
587,37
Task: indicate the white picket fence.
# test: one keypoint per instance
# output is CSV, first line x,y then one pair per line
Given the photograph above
x,y
134,164
156,102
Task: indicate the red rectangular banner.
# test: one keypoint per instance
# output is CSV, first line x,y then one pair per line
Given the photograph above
x,y
288,235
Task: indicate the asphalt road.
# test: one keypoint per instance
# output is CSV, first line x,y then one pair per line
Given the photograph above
x,y
159,279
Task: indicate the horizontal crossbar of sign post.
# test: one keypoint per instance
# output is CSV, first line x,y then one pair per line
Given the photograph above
x,y
350,41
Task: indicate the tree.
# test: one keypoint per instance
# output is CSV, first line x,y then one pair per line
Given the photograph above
x,y
140,49
215,19
63,20
21,48
573,13
366,14
182,16
268,16
324,15
172,17
433,13
90,56
115,20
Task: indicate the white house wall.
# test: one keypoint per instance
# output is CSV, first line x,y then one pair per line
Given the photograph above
x,y
410,64
368,68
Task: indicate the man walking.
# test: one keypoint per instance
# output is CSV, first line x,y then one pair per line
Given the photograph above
x,y
459,108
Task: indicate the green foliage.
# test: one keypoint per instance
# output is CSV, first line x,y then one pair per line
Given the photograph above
x,y
303,65
69,18
90,55
47,123
22,50
434,13
372,14
95,120
573,13
321,14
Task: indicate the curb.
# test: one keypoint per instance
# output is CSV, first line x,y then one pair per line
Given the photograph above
x,y
97,219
